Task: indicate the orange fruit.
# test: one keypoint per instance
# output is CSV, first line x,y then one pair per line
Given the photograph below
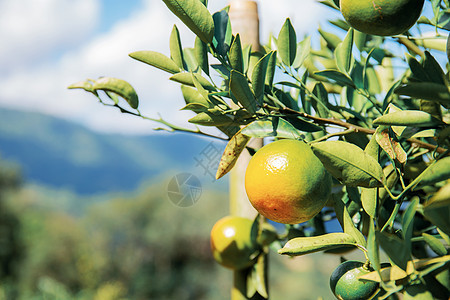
x,y
286,182
345,285
232,244
381,17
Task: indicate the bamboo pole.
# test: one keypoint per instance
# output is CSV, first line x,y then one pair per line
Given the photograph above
x,y
245,21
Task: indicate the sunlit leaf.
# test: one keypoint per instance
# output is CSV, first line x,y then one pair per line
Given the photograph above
x,y
305,245
156,60
210,119
337,76
119,87
186,78
438,172
176,50
415,118
201,55
349,164
435,244
343,53
332,40
303,50
193,96
195,16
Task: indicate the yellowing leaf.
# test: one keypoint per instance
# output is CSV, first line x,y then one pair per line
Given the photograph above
x,y
232,151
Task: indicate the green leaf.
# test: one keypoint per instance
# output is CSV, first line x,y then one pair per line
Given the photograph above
x,y
417,292
441,198
433,69
156,60
372,247
417,71
190,60
320,106
193,96
303,51
201,55
302,124
85,85
271,68
408,223
369,200
340,78
305,245
176,50
232,152
331,39
242,92
195,107
210,119
258,275
259,76
425,90
119,87
343,53
394,248
276,127
236,60
195,16
222,32
439,216
346,222
186,78
349,163
287,43
435,244
440,171
414,118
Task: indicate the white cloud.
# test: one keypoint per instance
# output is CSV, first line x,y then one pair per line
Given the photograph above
x,y
31,30
42,86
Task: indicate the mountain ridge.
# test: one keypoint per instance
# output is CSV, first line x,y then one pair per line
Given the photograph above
x,y
60,153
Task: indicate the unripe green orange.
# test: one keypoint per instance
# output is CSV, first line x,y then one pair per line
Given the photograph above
x,y
381,17
345,285
286,182
231,242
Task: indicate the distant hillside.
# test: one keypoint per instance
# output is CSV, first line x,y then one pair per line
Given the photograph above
x,y
62,154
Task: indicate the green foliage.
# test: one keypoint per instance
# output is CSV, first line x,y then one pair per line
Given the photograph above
x,y
394,106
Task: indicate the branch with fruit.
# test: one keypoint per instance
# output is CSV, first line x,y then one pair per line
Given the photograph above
x,y
361,135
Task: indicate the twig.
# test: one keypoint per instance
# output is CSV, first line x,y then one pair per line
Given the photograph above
x,y
356,128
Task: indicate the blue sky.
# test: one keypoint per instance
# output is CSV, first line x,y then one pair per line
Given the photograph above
x,y
49,44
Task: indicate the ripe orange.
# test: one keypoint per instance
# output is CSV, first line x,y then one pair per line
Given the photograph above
x,y
381,17
345,285
286,182
232,244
